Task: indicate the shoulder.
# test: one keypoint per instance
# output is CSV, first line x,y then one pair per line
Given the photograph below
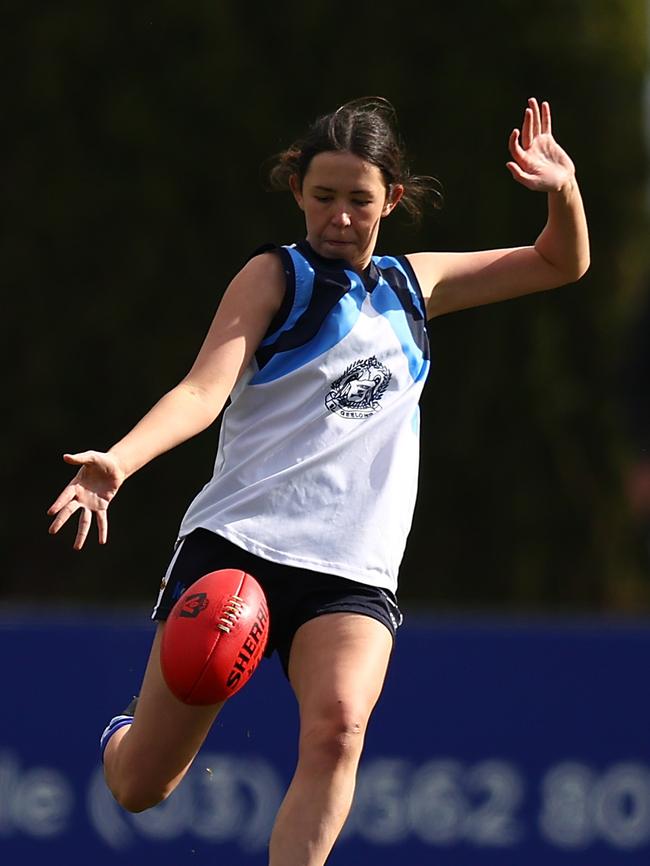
x,y
268,261
261,283
266,266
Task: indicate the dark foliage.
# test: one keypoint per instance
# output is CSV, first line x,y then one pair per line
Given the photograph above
x,y
134,149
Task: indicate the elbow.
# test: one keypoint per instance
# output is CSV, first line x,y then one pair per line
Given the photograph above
x,y
203,404
568,266
575,272
583,263
583,257
582,268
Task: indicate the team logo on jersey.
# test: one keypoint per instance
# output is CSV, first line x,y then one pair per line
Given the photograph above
x,y
356,394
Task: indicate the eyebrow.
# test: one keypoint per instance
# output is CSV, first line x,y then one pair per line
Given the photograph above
x,y
352,191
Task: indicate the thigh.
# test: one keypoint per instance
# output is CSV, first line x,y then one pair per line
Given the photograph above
x,y
337,667
166,734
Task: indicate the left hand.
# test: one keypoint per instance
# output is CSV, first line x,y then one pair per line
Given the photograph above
x,y
538,161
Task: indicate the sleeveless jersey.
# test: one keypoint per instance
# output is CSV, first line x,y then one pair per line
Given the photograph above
x,y
318,451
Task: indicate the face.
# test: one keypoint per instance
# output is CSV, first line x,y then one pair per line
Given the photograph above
x,y
344,199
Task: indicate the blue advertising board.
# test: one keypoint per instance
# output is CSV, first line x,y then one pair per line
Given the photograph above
x,y
493,743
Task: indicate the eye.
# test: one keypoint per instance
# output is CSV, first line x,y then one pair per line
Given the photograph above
x,y
323,198
362,203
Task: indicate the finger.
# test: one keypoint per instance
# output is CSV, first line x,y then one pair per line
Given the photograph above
x,y
536,124
546,118
62,499
57,524
530,181
526,129
514,147
85,519
102,526
515,171
519,174
63,516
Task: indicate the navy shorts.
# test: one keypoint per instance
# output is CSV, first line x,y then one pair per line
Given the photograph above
x,y
294,595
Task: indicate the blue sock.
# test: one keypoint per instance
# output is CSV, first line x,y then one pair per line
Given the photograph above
x,y
115,724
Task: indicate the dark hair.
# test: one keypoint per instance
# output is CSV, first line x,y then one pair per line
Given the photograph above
x,y
366,127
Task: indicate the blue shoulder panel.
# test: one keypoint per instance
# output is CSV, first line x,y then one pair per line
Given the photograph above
x,y
325,309
401,303
303,287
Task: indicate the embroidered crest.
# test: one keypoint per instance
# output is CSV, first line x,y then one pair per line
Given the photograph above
x,y
356,394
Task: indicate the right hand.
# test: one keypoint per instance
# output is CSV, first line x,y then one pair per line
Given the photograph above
x,y
90,492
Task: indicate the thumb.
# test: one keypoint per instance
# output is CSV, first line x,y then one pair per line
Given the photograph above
x,y
515,170
81,458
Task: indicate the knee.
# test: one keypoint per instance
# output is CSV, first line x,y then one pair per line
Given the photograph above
x,y
334,739
134,795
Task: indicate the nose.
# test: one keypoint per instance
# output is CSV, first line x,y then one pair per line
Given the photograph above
x,y
341,219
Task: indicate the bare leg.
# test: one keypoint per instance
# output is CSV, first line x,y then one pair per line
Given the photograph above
x,y
145,761
337,668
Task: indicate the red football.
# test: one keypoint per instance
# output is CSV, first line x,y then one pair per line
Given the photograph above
x,y
214,637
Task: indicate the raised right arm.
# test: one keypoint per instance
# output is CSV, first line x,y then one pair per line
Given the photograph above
x,y
243,317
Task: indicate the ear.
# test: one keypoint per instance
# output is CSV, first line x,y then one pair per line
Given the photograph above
x,y
296,189
395,193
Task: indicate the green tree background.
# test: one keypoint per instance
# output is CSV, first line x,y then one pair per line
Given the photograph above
x,y
135,142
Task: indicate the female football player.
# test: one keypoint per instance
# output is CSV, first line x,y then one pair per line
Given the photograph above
x,y
322,349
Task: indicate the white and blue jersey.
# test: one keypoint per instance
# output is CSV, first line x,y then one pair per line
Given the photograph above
x,y
318,453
